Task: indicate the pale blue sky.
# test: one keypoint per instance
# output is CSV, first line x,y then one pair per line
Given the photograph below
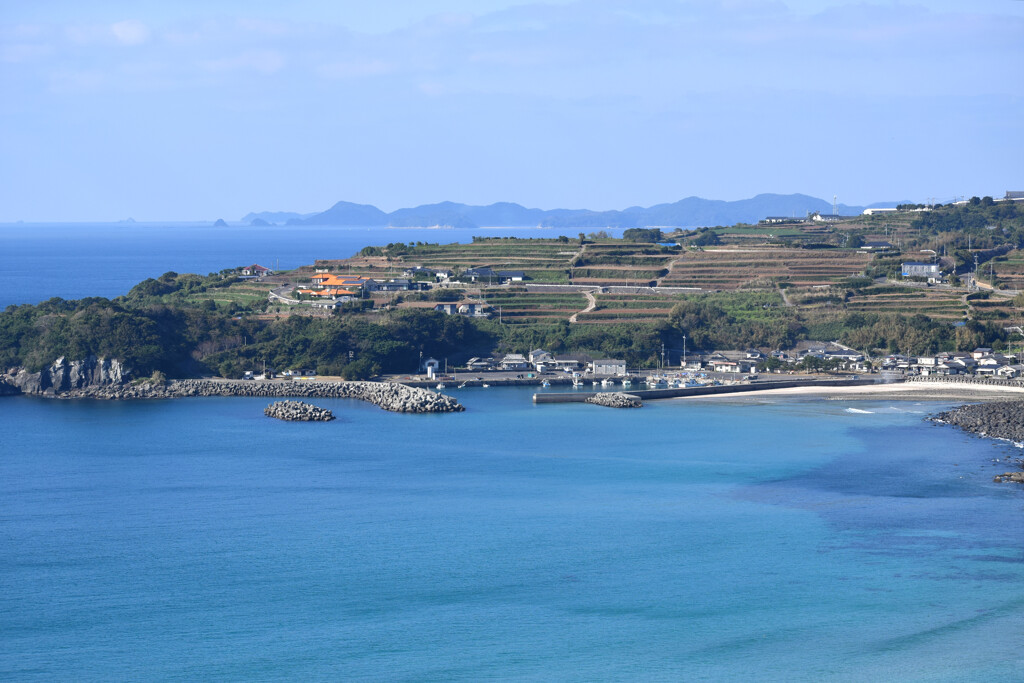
x,y
199,109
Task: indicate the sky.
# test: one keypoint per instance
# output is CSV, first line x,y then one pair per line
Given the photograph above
x,y
202,109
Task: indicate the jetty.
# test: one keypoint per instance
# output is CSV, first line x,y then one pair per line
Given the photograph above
x,y
714,389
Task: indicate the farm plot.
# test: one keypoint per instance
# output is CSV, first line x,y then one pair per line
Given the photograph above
x,y
943,304
738,268
1009,269
244,293
525,308
622,308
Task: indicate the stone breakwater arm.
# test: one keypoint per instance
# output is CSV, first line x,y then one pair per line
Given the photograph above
x,y
387,395
998,420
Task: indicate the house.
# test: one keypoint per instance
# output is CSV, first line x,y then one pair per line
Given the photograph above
x,y
472,309
569,362
440,275
754,354
918,269
418,270
980,352
539,357
726,365
830,218
394,285
256,270
476,274
480,364
608,367
1010,371
514,361
505,276
847,356
874,211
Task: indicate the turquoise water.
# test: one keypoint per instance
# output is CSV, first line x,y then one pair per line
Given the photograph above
x,y
791,540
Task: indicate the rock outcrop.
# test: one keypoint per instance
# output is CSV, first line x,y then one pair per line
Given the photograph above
x,y
1009,478
64,376
615,399
298,411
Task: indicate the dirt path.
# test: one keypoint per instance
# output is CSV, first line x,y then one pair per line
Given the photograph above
x,y
671,265
785,299
591,305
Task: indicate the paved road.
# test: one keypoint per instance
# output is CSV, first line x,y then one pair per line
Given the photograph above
x,y
591,305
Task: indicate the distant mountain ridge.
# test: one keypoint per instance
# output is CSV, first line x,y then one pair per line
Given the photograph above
x,y
691,212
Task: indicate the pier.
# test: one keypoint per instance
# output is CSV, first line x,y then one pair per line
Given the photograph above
x,y
711,389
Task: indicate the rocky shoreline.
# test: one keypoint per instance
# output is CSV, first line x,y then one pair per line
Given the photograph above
x,y
298,411
996,420
102,379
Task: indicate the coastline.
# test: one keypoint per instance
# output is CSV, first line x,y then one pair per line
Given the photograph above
x,y
908,391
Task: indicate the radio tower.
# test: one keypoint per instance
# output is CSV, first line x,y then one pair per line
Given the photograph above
x,y
835,206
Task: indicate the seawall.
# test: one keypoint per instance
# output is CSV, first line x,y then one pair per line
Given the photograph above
x,y
710,390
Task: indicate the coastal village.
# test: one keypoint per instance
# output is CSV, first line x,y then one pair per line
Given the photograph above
x,y
878,262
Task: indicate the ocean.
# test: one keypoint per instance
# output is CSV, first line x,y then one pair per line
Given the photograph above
x,y
778,540
769,540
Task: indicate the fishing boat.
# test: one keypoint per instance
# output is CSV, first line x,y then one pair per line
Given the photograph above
x,y
607,382
545,383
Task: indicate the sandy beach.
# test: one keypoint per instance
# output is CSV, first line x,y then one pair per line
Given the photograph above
x,y
911,391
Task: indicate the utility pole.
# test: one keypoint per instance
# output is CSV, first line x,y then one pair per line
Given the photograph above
x,y
663,355
684,351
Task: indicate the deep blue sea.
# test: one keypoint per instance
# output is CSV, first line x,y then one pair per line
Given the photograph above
x,y
195,539
781,540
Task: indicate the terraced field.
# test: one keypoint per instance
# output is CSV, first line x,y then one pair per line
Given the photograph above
x,y
628,308
941,304
246,292
540,260
735,268
523,308
995,308
1009,269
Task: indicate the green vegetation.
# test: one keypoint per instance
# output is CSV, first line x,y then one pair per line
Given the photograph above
x,y
184,325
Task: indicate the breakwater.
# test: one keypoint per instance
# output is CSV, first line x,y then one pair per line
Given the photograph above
x,y
298,411
967,379
615,399
997,419
711,390
387,395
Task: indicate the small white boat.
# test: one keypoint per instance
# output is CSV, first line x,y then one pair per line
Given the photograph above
x,y
462,386
595,383
626,383
545,383
440,385
607,382
576,383
485,386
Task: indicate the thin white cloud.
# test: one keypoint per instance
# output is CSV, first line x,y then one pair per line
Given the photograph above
x,y
130,32
359,68
261,61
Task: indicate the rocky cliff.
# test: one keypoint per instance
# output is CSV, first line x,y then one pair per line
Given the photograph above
x,y
63,376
